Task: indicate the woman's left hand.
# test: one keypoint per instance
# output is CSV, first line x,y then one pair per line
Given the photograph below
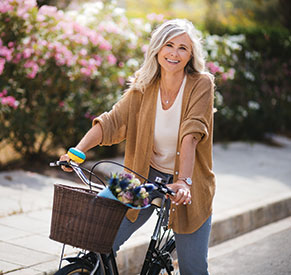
x,y
182,190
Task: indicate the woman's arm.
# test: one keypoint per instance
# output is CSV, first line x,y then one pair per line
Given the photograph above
x,y
187,161
91,139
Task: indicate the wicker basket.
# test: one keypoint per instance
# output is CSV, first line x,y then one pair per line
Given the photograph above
x,y
83,220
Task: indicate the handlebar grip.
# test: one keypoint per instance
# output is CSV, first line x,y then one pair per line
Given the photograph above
x,y
76,155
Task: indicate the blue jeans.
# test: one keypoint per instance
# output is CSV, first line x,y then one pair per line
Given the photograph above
x,y
192,249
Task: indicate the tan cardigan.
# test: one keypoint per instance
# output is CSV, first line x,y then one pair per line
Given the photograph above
x,y
133,117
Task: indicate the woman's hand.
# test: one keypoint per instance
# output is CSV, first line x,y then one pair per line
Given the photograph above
x,y
182,190
65,157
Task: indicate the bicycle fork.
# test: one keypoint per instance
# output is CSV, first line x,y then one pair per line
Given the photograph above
x,y
154,239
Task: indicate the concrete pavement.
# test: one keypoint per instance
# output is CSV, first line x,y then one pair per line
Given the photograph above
x,y
262,251
253,189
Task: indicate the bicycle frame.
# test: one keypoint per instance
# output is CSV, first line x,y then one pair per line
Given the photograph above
x,y
154,238
108,262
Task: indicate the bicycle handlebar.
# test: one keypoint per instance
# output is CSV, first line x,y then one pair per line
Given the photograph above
x,y
159,186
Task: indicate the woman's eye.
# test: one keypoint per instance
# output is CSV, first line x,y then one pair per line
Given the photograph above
x,y
183,48
169,45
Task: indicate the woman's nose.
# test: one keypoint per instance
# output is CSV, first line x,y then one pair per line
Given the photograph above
x,y
174,52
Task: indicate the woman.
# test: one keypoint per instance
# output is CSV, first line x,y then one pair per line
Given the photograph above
x,y
166,118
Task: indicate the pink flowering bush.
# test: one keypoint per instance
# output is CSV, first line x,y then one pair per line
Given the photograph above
x,y
57,72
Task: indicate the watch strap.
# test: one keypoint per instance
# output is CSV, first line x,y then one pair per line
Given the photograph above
x,y
187,180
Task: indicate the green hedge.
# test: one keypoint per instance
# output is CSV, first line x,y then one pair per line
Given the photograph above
x,y
257,102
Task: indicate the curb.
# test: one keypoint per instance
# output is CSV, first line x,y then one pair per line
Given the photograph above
x,y
234,224
257,215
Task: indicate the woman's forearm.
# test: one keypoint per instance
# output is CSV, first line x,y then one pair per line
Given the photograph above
x,y
92,138
187,156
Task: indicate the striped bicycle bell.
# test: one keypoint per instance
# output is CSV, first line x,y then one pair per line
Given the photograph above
x,y
76,155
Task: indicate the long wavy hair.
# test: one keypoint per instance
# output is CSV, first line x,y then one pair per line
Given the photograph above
x,y
150,69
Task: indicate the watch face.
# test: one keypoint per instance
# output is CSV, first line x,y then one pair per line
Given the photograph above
x,y
189,181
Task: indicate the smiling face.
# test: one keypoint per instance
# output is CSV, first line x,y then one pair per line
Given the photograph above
x,y
175,54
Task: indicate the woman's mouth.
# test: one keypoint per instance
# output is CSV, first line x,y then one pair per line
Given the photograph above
x,y
172,61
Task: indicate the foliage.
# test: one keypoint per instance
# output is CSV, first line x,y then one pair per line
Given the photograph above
x,y
57,74
257,101
248,13
58,70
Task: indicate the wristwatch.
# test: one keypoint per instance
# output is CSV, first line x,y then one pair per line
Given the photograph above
x,y
188,181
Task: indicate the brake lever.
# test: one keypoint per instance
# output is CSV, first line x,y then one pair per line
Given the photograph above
x,y
161,185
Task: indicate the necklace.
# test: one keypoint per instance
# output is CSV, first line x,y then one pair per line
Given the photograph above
x,y
168,98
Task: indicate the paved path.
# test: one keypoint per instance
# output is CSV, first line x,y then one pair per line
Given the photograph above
x,y
263,251
253,189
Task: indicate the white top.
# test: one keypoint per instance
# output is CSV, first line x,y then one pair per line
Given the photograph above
x,y
166,133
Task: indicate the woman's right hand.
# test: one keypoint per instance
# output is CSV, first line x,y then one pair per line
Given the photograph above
x,y
65,157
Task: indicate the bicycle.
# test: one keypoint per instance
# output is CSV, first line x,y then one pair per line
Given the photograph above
x,y
161,250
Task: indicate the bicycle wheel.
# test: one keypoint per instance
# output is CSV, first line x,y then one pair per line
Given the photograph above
x,y
74,269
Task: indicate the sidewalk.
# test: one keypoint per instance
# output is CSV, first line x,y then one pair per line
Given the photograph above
x,y
253,189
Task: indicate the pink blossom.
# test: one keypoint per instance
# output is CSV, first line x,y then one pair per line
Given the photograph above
x,y
11,44
88,115
67,27
48,10
61,104
128,195
10,101
104,45
213,67
121,64
224,76
42,42
16,58
60,60
146,201
85,71
27,53
94,38
228,75
121,80
2,64
40,17
83,62
111,59
29,3
48,82
98,60
4,93
83,52
144,48
5,7
7,53
231,73
34,68
41,62
24,6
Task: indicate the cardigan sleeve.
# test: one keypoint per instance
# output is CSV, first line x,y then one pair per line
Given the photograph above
x,y
114,123
199,110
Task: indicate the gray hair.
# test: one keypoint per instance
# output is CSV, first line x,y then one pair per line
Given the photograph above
x,y
150,69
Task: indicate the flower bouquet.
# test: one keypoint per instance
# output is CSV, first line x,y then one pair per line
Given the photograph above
x,y
128,189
